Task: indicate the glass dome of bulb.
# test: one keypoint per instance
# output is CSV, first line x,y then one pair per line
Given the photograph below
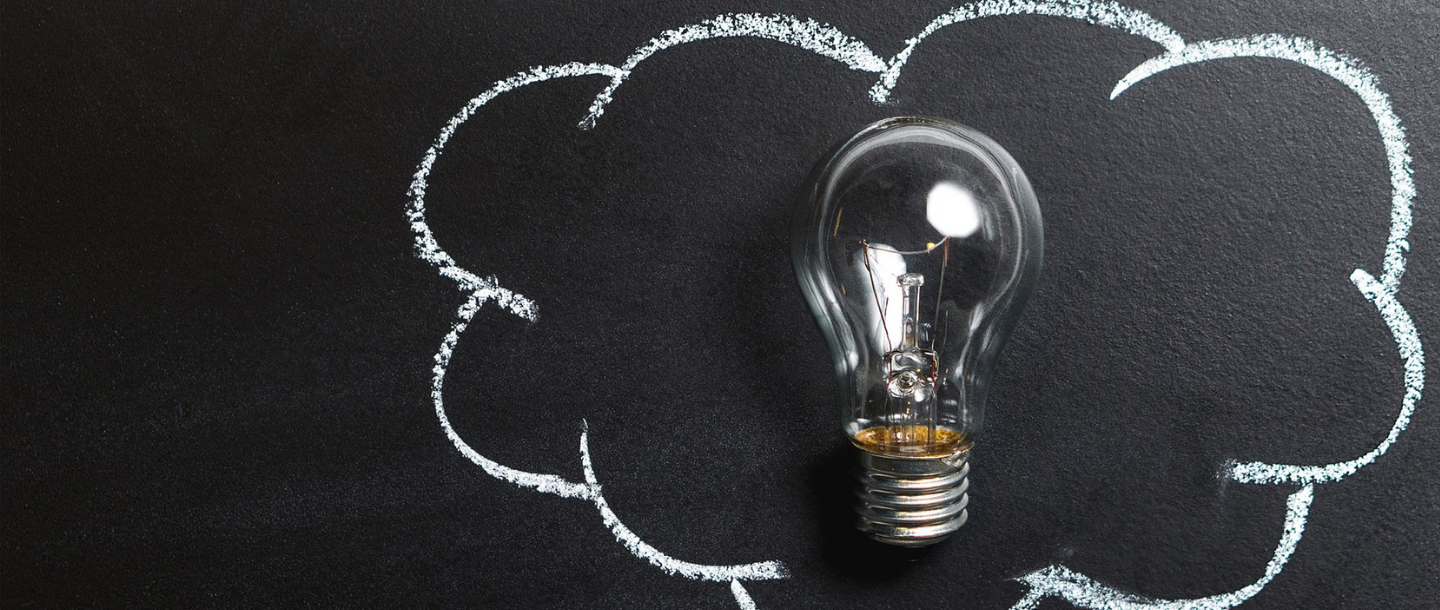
x,y
917,246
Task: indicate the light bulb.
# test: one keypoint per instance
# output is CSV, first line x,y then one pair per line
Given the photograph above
x,y
917,245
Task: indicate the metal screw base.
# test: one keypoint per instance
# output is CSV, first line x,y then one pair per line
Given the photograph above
x,y
912,501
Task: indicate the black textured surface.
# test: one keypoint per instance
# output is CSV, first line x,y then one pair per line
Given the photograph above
x,y
217,339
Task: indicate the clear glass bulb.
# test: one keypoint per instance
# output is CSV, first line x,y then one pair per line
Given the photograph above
x,y
917,246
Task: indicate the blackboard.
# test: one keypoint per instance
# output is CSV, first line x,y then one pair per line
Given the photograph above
x,y
239,373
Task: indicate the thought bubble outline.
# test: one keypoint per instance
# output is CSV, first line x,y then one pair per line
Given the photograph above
x,y
1055,580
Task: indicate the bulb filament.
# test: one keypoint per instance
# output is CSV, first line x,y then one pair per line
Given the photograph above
x,y
911,372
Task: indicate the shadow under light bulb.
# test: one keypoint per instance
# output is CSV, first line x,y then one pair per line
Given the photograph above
x,y
917,245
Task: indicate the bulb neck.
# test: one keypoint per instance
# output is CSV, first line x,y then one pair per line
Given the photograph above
x,y
912,501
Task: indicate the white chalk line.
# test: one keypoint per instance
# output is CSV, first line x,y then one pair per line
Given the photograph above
x,y
487,289
1348,72
742,597
589,490
764,570
425,244
1402,328
482,289
1082,591
1353,75
1108,14
545,483
829,42
806,34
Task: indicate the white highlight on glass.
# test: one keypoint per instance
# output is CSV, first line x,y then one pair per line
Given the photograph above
x,y
887,317
952,210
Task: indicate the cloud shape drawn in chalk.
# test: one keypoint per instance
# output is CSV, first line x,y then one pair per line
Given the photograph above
x,y
1055,581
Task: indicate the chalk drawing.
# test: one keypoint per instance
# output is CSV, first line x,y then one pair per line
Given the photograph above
x,y
1341,68
765,570
742,597
1107,14
545,483
1408,339
426,245
808,35
1080,590
1053,581
487,289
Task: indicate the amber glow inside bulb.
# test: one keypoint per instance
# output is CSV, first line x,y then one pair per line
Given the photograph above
x,y
916,245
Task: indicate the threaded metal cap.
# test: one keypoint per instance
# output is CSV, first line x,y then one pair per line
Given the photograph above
x,y
912,501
